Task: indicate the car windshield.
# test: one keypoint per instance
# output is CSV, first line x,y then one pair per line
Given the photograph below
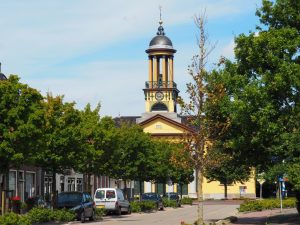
x,y
149,196
70,198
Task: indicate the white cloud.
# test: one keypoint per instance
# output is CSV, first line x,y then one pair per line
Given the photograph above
x,y
228,50
40,40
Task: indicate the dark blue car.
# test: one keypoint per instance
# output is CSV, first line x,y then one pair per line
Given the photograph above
x,y
154,197
79,202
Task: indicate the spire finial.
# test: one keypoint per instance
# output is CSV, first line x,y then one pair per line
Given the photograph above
x,y
160,28
160,20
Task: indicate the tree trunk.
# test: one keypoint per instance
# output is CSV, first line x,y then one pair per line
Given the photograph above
x,y
225,190
89,186
54,193
5,208
140,189
181,191
125,190
200,197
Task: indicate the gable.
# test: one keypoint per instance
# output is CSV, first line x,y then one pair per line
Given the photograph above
x,y
161,126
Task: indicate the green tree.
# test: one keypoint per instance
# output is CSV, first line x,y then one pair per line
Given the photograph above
x,y
223,167
269,60
130,159
62,138
89,159
264,89
21,123
181,171
108,136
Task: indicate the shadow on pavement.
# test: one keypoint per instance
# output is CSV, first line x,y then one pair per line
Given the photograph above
x,y
287,219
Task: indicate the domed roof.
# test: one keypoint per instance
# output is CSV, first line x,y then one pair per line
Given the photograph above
x,y
2,76
160,41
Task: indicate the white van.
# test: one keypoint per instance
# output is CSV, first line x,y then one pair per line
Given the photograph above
x,y
112,199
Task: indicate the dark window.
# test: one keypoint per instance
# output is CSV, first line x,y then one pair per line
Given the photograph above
x,y
159,107
160,189
100,194
110,194
184,189
137,187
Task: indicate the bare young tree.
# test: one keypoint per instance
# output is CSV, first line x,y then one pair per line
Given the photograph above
x,y
194,109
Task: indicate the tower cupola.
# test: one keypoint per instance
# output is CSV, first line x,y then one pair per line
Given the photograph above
x,y
160,90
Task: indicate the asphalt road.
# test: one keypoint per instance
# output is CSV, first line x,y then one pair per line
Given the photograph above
x,y
213,211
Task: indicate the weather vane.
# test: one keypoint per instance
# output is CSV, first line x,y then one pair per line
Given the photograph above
x,y
160,20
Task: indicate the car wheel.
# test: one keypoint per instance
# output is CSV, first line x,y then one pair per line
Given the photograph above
x,y
92,218
82,217
162,207
119,211
129,210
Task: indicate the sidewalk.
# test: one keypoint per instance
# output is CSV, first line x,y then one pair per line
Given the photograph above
x,y
274,217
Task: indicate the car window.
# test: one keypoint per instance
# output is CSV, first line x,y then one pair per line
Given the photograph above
x,y
110,194
87,197
100,194
149,196
120,195
69,198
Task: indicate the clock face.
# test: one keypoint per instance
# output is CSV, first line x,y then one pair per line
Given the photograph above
x,y
159,96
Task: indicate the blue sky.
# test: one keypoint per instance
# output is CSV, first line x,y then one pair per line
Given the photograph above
x,y
94,50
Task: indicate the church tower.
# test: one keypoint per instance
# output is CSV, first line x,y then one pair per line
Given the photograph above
x,y
160,90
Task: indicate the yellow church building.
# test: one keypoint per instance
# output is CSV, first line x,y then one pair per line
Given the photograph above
x,y
161,119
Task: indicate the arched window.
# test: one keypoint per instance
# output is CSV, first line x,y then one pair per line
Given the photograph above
x,y
159,107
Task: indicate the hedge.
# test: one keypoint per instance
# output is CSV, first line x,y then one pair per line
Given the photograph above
x,y
259,205
169,203
186,201
14,219
37,215
143,206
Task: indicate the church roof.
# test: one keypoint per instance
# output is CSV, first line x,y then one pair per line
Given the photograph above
x,y
160,41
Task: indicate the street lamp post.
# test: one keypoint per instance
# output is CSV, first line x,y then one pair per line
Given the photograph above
x,y
280,192
261,180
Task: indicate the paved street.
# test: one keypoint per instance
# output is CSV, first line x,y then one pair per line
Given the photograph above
x,y
213,211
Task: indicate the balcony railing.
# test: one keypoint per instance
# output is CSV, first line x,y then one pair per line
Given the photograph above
x,y
160,84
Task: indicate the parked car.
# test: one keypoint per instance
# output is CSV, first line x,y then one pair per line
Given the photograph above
x,y
151,196
112,199
79,202
173,196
